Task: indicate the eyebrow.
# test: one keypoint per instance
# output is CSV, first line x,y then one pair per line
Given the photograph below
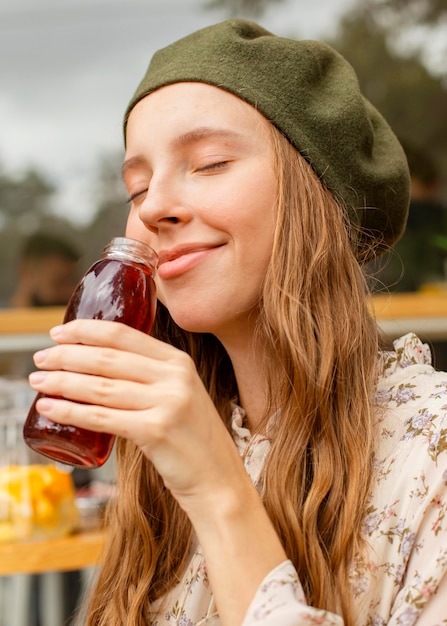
x,y
193,136
205,132
131,163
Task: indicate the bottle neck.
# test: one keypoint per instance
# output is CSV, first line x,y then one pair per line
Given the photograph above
x,y
127,249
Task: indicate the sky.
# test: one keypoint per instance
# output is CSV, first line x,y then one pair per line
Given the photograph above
x,y
68,69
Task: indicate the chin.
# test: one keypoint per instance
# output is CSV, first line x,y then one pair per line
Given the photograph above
x,y
196,321
195,325
195,317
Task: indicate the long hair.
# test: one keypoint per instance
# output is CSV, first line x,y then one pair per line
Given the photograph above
x,y
321,342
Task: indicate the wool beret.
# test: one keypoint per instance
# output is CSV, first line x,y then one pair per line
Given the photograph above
x,y
311,94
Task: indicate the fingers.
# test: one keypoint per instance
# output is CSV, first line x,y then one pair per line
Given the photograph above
x,y
115,378
91,417
94,390
111,334
107,349
99,361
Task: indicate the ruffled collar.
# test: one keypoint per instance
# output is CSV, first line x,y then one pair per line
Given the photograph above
x,y
408,350
254,449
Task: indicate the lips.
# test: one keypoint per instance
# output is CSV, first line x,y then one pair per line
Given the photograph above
x,y
180,259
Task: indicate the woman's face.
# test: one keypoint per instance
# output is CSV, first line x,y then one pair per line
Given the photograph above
x,y
199,172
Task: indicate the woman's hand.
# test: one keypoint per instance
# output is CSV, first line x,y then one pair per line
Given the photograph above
x,y
117,380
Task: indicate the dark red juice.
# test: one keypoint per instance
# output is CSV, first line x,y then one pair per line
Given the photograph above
x,y
115,288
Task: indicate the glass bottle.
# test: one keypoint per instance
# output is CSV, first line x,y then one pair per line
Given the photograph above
x,y
118,287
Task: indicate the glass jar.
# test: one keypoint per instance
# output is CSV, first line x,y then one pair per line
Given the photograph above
x,y
37,497
120,287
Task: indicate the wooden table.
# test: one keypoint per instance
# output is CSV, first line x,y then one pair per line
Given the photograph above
x,y
26,330
33,320
422,313
74,552
410,305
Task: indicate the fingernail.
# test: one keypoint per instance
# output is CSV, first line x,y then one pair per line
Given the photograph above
x,y
40,356
44,404
35,378
56,331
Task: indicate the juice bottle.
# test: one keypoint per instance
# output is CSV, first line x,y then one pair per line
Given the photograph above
x,y
118,287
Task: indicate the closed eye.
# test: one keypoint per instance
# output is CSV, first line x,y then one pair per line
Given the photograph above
x,y
136,195
213,166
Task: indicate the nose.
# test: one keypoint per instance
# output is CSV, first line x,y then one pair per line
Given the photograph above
x,y
163,206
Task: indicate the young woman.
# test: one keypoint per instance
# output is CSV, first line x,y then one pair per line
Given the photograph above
x,y
276,466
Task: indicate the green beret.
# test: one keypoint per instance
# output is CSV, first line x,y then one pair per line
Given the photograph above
x,y
311,94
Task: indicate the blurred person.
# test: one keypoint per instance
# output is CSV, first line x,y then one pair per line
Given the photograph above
x,y
427,222
47,272
418,262
419,258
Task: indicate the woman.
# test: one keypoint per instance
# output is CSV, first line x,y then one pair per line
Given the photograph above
x,y
264,181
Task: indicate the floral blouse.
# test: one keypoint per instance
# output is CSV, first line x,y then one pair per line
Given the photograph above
x,y
401,579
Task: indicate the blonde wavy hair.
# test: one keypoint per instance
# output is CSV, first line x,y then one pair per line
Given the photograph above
x,y
322,346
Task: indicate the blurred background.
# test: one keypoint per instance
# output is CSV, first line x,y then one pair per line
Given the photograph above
x,y
69,68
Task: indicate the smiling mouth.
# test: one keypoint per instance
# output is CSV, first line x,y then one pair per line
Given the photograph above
x,y
165,256
176,262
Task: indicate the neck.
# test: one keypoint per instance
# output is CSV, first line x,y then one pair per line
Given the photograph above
x,y
248,360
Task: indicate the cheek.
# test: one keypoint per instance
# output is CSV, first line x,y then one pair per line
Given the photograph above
x,y
258,221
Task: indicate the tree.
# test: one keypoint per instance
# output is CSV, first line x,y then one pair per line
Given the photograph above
x,y
253,8
412,99
414,12
24,198
412,26
112,209
424,12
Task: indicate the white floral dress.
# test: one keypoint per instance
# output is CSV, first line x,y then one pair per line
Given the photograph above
x,y
401,579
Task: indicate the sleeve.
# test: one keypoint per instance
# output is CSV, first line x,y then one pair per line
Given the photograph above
x,y
422,598
280,600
